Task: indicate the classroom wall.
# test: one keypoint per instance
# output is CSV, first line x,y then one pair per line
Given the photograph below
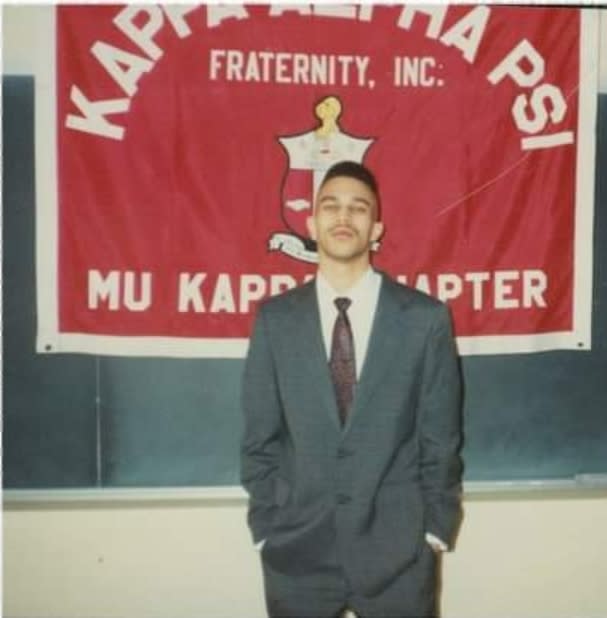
x,y
515,558
537,555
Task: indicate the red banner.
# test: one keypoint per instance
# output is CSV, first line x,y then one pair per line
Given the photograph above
x,y
189,141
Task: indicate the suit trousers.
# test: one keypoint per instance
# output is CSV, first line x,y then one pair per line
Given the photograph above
x,y
411,594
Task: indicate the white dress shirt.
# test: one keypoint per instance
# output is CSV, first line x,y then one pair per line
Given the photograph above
x,y
364,295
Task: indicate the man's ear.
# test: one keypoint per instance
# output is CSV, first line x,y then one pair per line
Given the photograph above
x,y
377,231
311,225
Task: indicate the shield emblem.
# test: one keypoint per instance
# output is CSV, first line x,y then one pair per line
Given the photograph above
x,y
310,156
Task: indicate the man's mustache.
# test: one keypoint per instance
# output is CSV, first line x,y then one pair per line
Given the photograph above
x,y
342,228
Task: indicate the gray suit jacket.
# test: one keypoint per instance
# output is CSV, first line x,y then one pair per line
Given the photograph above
x,y
369,491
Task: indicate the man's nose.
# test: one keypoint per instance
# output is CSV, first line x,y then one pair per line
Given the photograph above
x,y
343,214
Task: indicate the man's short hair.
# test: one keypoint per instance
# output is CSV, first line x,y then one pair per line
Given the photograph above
x,y
359,172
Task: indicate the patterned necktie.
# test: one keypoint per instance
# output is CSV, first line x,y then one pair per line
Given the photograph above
x,y
342,362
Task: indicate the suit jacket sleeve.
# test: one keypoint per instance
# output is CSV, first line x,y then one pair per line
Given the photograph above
x,y
263,428
440,431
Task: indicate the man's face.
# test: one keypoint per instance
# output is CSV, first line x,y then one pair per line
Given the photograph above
x,y
344,221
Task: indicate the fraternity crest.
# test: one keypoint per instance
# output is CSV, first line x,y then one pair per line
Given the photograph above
x,y
310,155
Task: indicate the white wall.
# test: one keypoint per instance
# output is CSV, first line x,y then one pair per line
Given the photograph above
x,y
516,557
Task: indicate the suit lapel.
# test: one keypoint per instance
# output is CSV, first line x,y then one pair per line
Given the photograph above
x,y
383,346
313,359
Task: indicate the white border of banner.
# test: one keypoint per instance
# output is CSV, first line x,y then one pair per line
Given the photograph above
x,y
50,340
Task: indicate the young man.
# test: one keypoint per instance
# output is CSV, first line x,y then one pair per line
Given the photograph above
x,y
351,396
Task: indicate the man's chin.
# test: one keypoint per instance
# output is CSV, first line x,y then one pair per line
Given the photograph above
x,y
344,255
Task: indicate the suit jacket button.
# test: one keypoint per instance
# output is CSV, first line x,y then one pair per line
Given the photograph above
x,y
343,499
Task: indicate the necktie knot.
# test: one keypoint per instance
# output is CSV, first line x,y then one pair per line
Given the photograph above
x,y
342,304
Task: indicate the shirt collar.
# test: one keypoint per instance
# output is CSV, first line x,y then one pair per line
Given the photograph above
x,y
358,292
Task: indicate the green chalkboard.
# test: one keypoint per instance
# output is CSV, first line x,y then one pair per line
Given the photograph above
x,y
49,418
86,421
